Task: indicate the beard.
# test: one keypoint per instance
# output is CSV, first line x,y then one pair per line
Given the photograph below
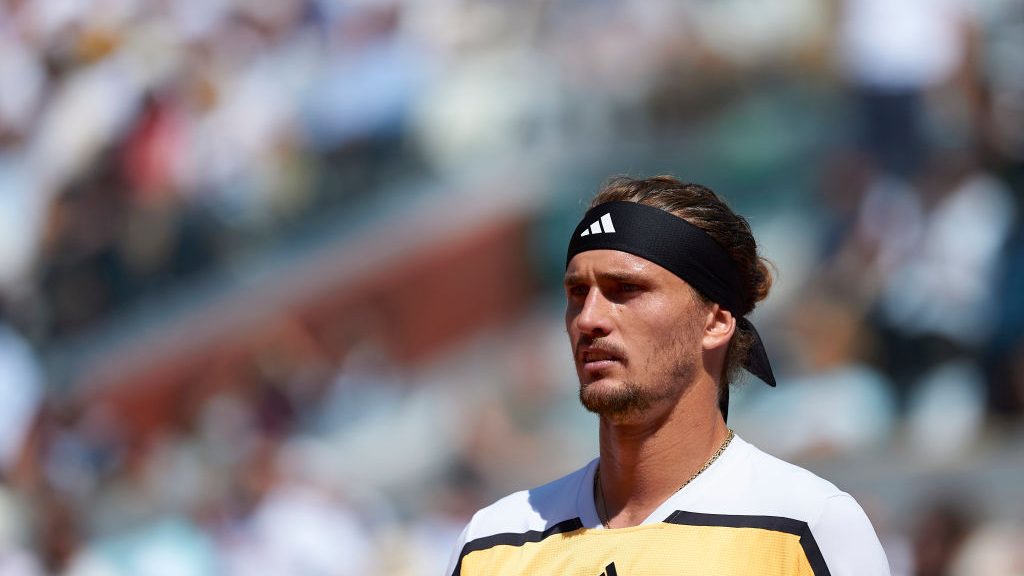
x,y
631,398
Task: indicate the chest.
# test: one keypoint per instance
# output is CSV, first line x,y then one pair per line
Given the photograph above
x,y
650,550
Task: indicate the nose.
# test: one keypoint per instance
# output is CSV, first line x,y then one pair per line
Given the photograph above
x,y
594,317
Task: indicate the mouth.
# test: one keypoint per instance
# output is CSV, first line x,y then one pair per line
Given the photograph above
x,y
597,359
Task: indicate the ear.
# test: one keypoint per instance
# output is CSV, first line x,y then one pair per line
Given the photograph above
x,y
719,325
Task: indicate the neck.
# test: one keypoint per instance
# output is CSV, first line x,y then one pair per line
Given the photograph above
x,y
645,460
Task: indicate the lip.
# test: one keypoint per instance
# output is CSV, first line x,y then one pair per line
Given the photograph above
x,y
594,359
596,366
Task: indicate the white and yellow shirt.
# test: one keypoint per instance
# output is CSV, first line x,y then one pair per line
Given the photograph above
x,y
747,514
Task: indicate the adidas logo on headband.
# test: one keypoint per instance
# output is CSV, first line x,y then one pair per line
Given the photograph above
x,y
599,226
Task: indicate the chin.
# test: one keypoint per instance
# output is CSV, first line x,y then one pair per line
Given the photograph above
x,y
610,398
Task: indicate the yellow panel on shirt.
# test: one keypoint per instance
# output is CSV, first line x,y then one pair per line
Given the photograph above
x,y
679,549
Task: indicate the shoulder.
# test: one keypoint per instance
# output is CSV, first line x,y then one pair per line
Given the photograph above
x,y
527,515
788,478
537,509
756,483
836,523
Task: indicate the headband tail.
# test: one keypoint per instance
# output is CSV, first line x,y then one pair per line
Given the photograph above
x,y
723,402
757,361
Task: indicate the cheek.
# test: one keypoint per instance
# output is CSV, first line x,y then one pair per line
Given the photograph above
x,y
660,319
669,335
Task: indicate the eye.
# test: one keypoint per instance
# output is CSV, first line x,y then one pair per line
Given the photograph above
x,y
577,290
626,287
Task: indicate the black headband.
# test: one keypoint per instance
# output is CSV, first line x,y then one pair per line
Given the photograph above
x,y
679,247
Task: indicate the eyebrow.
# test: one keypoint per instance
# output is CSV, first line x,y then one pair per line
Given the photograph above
x,y
622,277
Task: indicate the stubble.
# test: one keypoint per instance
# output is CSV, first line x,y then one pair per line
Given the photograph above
x,y
668,372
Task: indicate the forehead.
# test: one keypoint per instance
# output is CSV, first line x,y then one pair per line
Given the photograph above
x,y
614,263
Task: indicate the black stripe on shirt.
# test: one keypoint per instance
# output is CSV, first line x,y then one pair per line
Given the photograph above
x,y
515,539
774,523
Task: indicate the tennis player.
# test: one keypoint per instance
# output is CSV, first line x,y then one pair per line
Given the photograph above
x,y
660,277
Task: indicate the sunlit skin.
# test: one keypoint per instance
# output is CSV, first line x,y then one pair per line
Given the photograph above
x,y
648,352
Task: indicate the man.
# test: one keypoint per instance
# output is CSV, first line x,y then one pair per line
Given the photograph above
x,y
660,276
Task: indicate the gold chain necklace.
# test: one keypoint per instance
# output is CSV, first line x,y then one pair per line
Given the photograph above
x,y
600,491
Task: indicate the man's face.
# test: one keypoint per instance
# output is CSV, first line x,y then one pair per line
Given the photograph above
x,y
635,329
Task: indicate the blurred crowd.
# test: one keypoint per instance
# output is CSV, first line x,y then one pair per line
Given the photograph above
x,y
147,144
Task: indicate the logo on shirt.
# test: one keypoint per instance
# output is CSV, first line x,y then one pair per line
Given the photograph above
x,y
609,570
601,225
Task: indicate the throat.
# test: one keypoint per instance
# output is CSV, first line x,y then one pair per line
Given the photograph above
x,y
626,496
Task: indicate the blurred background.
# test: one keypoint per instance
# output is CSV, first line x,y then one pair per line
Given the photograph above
x,y
280,281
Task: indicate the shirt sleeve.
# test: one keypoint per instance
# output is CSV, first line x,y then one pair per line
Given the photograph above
x,y
847,540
